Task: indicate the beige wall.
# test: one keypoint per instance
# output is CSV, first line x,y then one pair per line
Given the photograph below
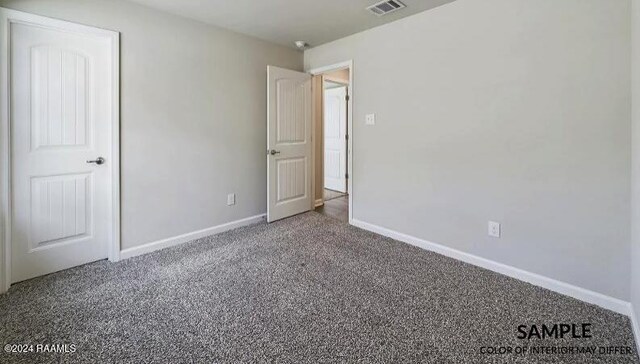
x,y
193,116
516,111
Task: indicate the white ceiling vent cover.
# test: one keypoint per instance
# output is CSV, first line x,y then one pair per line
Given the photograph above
x,y
385,7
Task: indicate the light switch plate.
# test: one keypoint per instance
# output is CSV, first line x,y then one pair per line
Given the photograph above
x,y
370,119
231,199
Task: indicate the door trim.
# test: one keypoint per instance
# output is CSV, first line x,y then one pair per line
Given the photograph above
x,y
319,71
325,91
8,17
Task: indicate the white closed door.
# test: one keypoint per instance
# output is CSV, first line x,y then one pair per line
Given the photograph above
x,y
335,139
61,120
288,143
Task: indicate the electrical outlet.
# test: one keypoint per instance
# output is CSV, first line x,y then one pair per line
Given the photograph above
x,y
370,119
231,199
494,229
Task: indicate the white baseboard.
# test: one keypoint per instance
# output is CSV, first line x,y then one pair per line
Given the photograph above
x,y
582,294
636,326
181,239
319,202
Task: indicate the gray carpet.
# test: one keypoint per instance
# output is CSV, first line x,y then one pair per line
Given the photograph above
x,y
309,289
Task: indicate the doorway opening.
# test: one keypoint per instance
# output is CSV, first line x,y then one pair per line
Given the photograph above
x,y
298,152
332,126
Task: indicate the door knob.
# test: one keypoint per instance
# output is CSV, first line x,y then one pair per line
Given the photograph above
x,y
98,161
274,152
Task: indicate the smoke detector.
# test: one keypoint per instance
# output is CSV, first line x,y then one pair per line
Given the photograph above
x,y
301,45
385,7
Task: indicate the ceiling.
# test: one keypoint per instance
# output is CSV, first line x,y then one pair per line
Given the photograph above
x,y
285,21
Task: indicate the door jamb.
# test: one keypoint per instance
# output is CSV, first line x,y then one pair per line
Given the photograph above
x,y
8,17
319,71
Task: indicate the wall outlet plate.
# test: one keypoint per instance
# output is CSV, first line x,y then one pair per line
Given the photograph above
x,y
494,229
231,199
370,119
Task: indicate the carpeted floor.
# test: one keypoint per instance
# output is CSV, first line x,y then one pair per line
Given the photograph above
x,y
309,289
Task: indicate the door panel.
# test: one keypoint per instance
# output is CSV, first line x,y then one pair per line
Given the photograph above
x,y
290,111
61,99
291,179
335,143
60,209
289,139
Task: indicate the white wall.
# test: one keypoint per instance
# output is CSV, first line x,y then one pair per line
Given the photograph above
x,y
635,169
193,116
516,111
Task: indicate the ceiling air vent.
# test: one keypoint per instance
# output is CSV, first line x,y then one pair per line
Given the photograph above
x,y
386,7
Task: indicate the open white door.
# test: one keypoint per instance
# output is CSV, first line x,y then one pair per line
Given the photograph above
x,y
288,143
335,139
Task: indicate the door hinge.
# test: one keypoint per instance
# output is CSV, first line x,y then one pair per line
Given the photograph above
x,y
346,175
347,97
346,136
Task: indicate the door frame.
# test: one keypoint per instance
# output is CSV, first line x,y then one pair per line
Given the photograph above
x,y
322,142
320,71
8,17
